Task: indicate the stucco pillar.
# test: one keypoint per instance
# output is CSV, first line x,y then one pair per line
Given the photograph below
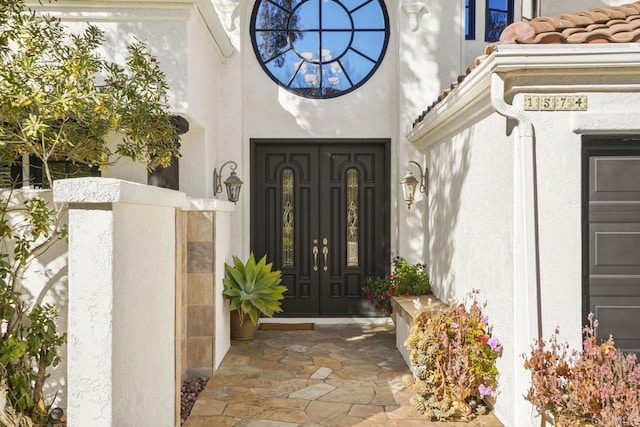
x,y
429,58
121,327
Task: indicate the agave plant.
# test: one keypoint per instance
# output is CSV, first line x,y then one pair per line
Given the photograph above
x,y
253,288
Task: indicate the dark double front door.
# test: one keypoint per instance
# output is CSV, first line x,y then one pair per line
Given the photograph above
x,y
320,212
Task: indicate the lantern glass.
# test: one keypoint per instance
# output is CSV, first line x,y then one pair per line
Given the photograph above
x,y
409,184
234,185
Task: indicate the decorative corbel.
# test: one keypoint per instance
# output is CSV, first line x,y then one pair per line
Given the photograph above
x,y
414,10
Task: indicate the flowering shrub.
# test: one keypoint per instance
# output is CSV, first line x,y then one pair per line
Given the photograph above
x,y
453,355
598,385
405,280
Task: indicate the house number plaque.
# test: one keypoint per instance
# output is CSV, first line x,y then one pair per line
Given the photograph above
x,y
555,102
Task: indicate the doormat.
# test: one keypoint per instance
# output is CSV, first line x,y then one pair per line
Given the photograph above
x,y
286,326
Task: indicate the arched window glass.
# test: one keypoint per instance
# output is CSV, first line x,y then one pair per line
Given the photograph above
x,y
352,218
320,48
287,218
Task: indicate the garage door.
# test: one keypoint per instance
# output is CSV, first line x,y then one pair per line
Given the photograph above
x,y
612,228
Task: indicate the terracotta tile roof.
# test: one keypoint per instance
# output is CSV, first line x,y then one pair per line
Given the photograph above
x,y
616,24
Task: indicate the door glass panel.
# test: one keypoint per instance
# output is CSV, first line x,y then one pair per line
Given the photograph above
x,y
287,218
352,218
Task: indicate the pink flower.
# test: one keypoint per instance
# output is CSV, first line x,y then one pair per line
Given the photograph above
x,y
392,277
485,319
369,295
494,343
454,325
485,390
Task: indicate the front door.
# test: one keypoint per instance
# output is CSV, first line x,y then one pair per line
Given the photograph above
x,y
612,238
320,212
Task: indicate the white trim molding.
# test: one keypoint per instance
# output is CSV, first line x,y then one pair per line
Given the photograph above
x,y
141,10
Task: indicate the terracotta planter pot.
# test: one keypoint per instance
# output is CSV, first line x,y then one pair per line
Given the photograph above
x,y
243,332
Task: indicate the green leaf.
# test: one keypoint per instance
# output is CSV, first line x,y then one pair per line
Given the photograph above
x,y
12,350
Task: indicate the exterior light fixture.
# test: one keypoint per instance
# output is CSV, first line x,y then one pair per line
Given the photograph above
x,y
55,417
233,183
409,183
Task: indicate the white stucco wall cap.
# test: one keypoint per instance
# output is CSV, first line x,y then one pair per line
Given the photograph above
x,y
85,8
462,105
209,205
111,190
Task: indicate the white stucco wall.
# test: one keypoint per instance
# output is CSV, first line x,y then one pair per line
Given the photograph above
x,y
429,59
228,99
470,233
482,239
122,269
558,154
553,7
268,111
417,66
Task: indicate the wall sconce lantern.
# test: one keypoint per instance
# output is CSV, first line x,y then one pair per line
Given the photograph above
x,y
233,183
409,184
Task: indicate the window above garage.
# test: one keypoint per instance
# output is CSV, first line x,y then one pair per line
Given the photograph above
x,y
499,14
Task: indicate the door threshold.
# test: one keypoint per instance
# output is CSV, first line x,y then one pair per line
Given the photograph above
x,y
330,320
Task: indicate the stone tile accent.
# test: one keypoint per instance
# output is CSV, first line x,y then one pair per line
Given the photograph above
x,y
199,289
200,257
200,321
199,353
200,226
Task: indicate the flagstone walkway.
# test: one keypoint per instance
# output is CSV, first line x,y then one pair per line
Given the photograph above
x,y
335,375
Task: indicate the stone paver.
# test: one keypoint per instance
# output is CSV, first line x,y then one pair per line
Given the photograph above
x,y
335,375
321,373
312,392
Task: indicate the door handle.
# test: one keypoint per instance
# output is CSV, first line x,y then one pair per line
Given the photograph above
x,y
314,251
325,252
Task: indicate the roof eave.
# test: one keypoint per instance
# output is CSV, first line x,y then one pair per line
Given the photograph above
x,y
459,107
205,9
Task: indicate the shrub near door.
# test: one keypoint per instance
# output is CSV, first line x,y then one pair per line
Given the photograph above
x,y
406,280
253,289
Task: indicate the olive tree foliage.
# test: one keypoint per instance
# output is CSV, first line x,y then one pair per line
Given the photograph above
x,y
59,101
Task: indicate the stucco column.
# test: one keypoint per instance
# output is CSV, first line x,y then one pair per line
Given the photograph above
x,y
122,263
429,58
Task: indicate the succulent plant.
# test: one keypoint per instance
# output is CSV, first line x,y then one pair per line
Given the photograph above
x,y
253,288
